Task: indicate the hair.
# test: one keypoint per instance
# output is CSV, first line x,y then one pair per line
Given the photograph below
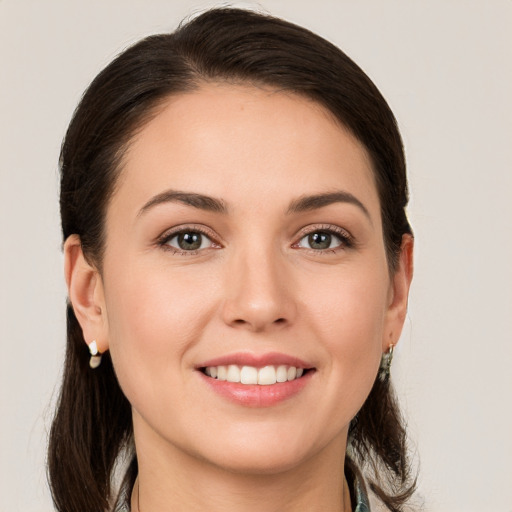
x,y
91,435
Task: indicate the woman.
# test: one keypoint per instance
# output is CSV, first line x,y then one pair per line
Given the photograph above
x,y
238,261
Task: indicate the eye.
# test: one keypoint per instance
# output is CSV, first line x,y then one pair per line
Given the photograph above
x,y
320,240
186,241
325,239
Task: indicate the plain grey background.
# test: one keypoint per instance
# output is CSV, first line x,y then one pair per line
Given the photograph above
x,y
445,67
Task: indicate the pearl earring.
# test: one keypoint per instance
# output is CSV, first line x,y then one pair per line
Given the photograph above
x,y
95,360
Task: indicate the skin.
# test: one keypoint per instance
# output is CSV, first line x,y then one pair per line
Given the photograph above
x,y
255,286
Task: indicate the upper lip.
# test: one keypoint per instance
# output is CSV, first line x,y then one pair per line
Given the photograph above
x,y
256,360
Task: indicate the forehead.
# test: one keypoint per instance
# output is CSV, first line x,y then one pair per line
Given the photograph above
x,y
245,143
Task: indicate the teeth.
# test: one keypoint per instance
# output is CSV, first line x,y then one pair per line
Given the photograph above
x,y
265,376
249,375
221,372
233,374
282,374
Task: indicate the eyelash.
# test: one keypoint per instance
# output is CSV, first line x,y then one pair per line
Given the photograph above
x,y
164,240
346,240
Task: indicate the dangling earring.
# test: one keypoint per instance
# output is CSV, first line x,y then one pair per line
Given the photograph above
x,y
385,364
95,360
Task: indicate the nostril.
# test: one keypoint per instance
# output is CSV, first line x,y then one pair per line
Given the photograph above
x,y
258,322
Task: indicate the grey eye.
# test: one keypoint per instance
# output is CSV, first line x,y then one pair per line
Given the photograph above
x,y
320,240
189,241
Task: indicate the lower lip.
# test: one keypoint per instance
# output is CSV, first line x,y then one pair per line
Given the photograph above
x,y
253,395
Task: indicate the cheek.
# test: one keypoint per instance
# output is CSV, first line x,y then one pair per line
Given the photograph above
x,y
152,305
153,319
352,307
349,319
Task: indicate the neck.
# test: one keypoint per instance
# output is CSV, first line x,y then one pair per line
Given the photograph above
x,y
190,484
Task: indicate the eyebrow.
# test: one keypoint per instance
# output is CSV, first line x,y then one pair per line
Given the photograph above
x,y
308,203
212,204
199,201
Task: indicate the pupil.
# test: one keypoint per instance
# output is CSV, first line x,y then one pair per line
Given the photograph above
x,y
320,240
189,241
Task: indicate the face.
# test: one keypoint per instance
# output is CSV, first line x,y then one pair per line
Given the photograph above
x,y
244,242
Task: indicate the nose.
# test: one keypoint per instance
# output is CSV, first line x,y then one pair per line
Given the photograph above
x,y
259,292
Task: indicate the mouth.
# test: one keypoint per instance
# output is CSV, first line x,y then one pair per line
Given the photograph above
x,y
252,375
256,380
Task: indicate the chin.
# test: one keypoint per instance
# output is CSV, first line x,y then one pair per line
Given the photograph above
x,y
261,462
270,454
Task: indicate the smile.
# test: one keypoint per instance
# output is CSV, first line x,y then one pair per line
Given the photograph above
x,y
256,380
251,375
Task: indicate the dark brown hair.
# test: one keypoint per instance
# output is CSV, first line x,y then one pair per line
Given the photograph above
x,y
92,430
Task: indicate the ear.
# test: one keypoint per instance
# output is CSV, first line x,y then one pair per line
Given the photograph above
x,y
85,290
399,293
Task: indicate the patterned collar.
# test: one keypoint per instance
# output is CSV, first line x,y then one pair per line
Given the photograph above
x,y
358,493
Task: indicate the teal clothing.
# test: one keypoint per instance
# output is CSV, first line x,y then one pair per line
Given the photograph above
x,y
358,493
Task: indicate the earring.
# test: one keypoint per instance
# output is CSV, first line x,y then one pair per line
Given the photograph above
x,y
385,364
95,360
